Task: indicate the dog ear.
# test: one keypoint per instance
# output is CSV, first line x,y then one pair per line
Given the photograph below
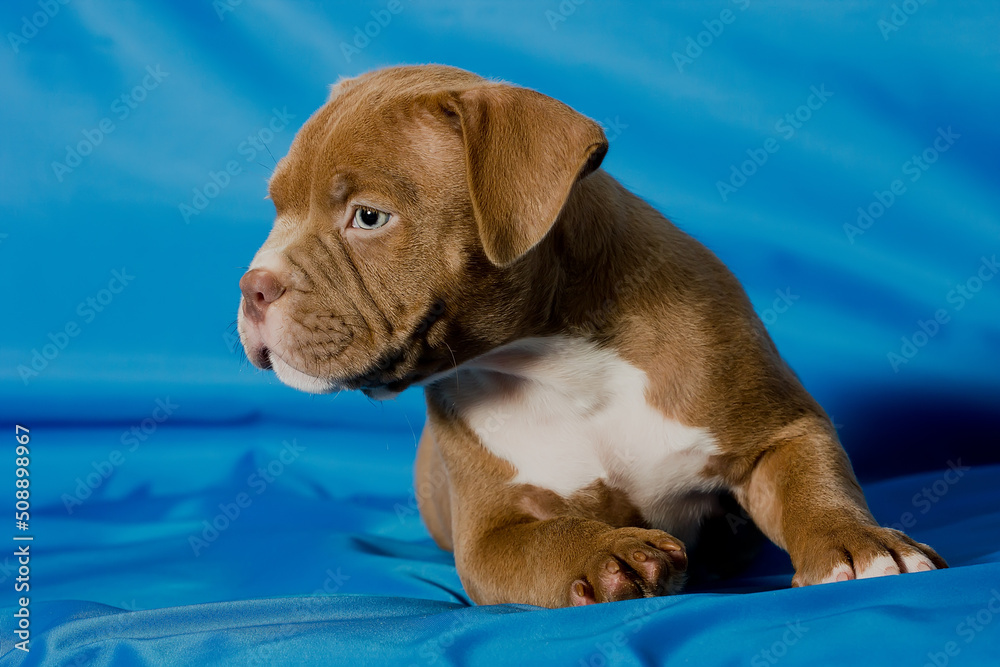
x,y
524,152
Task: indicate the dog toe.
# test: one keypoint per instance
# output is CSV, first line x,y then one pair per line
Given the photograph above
x,y
864,552
915,561
840,572
581,593
880,566
631,563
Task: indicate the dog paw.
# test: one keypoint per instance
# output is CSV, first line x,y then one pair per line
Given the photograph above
x,y
863,552
631,563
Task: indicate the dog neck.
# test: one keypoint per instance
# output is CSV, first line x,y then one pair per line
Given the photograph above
x,y
593,267
598,254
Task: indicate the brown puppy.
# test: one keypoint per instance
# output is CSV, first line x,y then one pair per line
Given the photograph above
x,y
596,380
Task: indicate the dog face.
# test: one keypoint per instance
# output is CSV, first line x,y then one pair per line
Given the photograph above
x,y
401,208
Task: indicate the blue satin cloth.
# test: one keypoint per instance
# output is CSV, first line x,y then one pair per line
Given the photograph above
x,y
329,564
188,509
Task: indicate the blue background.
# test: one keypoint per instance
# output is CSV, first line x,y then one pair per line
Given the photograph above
x,y
113,573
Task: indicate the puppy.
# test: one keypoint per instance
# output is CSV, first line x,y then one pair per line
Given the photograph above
x,y
597,382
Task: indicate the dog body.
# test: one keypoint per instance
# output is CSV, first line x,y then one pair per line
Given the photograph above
x,y
597,381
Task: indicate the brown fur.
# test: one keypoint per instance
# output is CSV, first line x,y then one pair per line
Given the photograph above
x,y
504,217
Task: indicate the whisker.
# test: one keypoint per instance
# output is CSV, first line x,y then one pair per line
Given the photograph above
x,y
412,432
458,389
272,157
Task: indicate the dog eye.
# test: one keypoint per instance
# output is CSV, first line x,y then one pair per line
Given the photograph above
x,y
369,218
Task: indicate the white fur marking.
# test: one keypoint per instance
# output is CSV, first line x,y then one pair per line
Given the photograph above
x,y
296,379
917,562
566,414
842,572
880,566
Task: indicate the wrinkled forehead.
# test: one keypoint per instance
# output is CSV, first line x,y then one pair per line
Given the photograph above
x,y
368,131
343,139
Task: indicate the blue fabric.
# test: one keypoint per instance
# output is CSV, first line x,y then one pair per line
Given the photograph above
x,y
147,427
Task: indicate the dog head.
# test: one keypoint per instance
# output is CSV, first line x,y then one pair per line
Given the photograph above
x,y
405,212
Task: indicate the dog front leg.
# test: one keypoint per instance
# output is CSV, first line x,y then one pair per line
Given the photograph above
x,y
507,552
803,495
566,561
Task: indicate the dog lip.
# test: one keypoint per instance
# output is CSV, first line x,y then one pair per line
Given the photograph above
x,y
378,377
388,389
366,384
260,357
372,392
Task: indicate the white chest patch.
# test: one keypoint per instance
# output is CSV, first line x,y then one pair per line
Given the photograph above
x,y
566,414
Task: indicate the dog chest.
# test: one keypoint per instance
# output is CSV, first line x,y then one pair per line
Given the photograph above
x,y
566,414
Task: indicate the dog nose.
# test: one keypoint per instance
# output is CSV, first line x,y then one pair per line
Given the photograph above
x,y
260,289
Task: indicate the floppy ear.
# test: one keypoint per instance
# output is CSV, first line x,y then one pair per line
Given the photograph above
x,y
524,152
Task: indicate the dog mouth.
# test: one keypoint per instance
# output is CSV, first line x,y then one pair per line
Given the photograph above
x,y
261,358
385,391
391,371
382,379
390,374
